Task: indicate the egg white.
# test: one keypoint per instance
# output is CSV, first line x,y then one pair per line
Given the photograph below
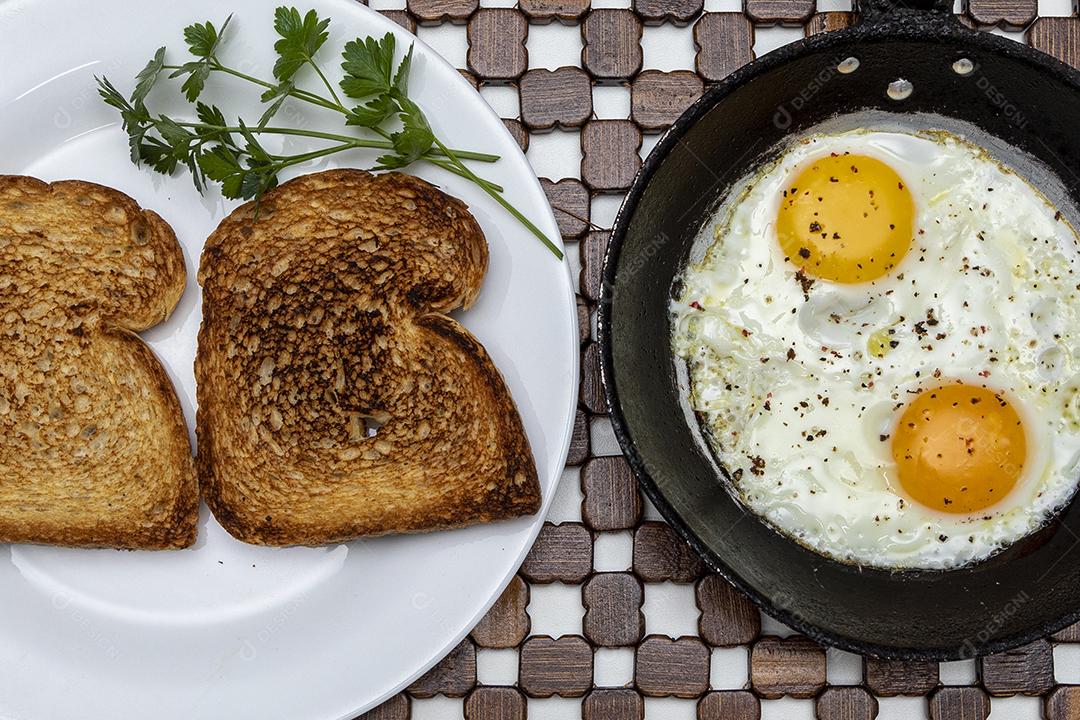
x,y
800,411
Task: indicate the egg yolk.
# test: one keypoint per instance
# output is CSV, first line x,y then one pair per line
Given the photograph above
x,y
959,448
846,218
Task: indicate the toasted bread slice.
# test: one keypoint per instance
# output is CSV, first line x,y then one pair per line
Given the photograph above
x,y
93,446
336,399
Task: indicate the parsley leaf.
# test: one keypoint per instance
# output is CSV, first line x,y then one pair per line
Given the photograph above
x,y
372,113
221,165
390,162
401,78
197,72
253,148
368,65
173,133
415,137
202,38
210,114
279,94
136,121
146,78
179,140
256,181
157,155
111,95
300,39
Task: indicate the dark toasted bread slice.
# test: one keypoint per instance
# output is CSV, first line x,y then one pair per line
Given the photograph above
x,y
336,400
93,446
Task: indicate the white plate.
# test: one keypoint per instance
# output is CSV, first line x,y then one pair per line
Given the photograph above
x,y
228,630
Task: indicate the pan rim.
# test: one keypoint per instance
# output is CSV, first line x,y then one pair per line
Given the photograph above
x,y
903,26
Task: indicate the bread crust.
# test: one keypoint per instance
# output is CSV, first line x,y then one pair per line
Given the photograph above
x,y
336,398
94,451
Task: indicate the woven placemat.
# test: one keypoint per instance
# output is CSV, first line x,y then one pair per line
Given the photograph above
x,y
611,616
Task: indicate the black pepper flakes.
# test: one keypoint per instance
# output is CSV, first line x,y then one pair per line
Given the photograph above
x,y
805,282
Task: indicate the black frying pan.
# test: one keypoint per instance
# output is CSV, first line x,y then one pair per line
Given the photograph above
x,y
1021,105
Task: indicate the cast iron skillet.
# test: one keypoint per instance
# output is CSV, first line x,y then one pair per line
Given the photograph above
x,y
1021,105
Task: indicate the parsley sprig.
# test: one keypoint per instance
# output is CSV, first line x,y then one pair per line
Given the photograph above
x,y
373,101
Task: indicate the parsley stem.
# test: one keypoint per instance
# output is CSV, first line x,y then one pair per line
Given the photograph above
x,y
305,95
326,82
315,154
295,92
308,97
354,141
358,142
498,197
284,161
450,167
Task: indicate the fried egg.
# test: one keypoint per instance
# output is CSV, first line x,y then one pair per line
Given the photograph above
x,y
882,341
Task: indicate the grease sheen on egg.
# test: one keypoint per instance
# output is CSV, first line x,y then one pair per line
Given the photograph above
x,y
826,368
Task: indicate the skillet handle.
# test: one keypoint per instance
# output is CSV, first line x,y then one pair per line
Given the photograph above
x,y
879,11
